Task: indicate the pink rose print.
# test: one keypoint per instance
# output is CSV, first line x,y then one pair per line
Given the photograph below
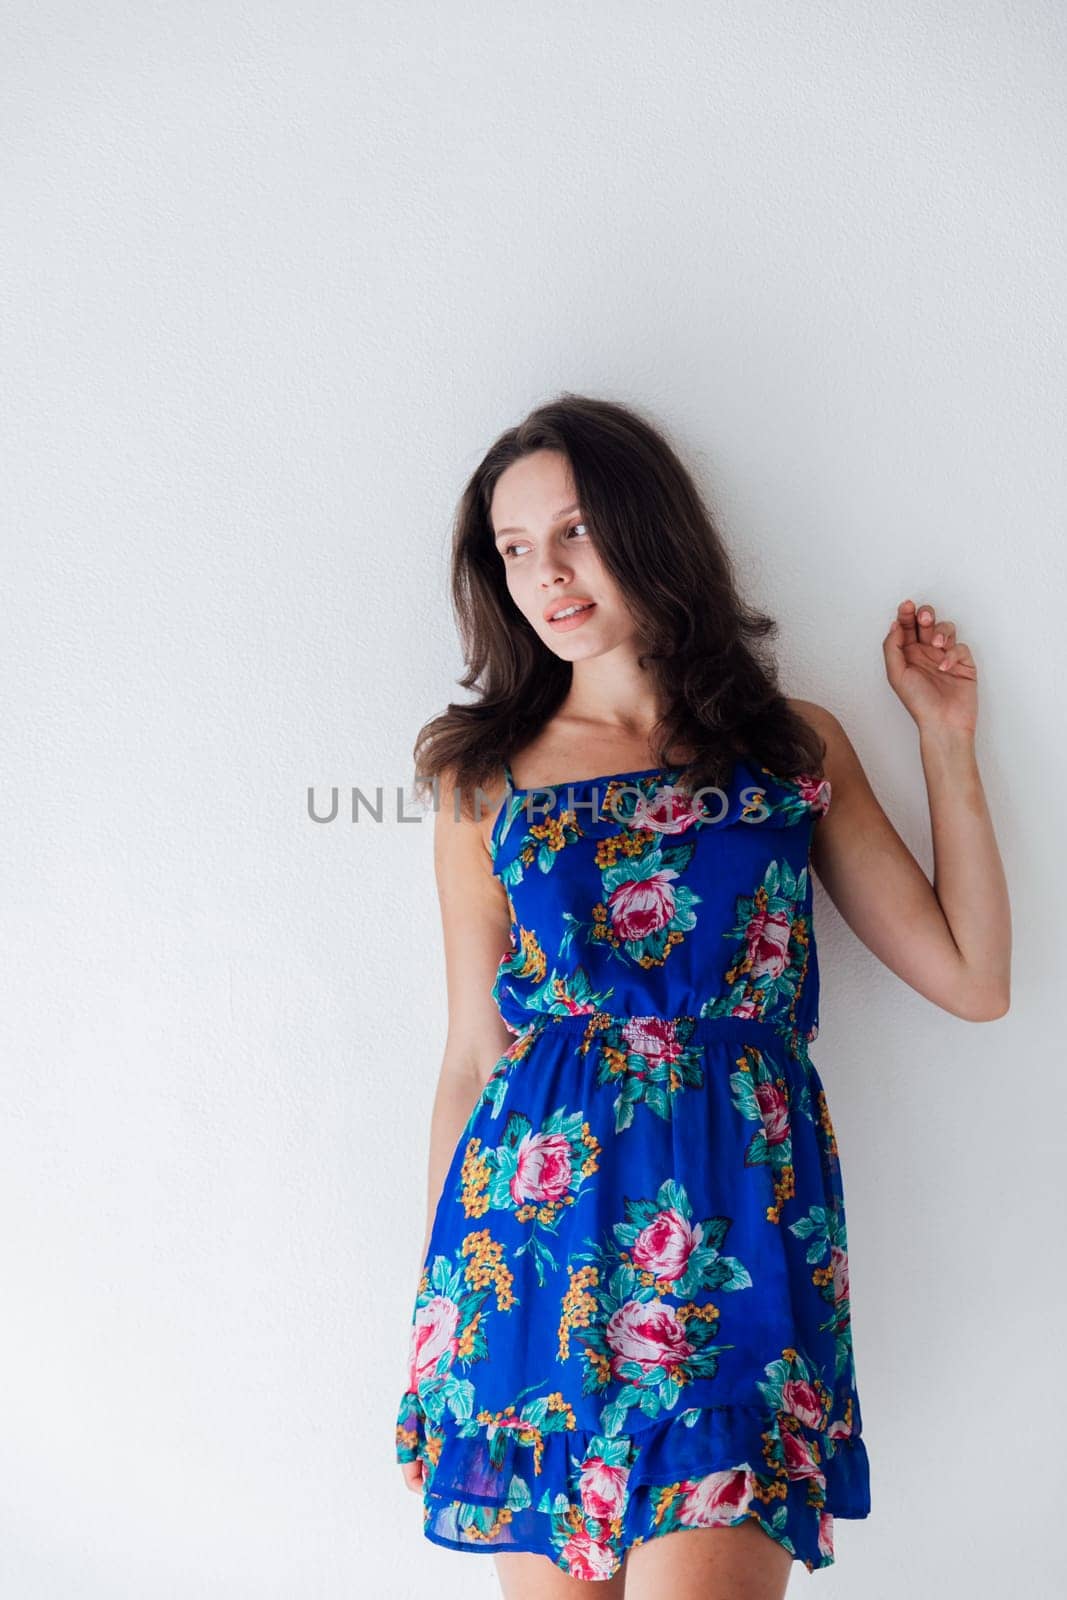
x,y
653,1037
664,1246
647,1332
640,908
800,1399
586,1557
433,1330
603,1488
543,1171
839,1261
826,1534
745,1008
768,940
774,1109
815,792
670,811
800,1459
508,1425
718,1498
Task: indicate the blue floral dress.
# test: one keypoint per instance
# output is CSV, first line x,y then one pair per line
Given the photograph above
x,y
633,1315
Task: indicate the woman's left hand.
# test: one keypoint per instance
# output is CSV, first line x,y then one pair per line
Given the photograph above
x,y
933,674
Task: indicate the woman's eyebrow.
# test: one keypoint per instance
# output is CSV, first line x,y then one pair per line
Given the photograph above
x,y
559,514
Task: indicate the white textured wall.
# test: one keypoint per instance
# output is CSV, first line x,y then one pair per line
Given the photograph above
x,y
276,275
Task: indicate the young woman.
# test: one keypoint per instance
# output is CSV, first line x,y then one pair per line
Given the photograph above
x,y
630,1356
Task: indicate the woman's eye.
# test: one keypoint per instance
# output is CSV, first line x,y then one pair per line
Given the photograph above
x,y
574,528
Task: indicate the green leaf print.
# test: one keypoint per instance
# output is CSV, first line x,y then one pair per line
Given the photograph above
x,y
519,1496
728,1273
823,1228
743,1089
757,1153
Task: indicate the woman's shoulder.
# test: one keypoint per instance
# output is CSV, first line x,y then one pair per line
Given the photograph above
x,y
818,717
469,812
839,755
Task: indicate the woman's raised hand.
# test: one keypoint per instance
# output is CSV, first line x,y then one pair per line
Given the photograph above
x,y
930,670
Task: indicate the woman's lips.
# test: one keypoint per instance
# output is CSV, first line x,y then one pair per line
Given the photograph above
x,y
564,624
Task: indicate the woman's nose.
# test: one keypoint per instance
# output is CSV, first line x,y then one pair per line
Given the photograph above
x,y
553,566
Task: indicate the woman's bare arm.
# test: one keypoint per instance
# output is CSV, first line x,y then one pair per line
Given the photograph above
x,y
950,940
476,924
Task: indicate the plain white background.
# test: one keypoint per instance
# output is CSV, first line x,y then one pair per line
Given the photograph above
x,y
277,274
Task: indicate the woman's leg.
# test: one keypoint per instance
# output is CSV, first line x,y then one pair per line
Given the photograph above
x,y
738,1563
524,1576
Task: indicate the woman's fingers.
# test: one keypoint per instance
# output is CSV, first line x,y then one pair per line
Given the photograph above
x,y
959,658
924,616
920,625
906,618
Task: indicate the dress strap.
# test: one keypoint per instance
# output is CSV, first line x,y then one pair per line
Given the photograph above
x,y
508,775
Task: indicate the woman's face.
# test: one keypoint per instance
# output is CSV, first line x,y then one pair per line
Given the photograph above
x,y
550,563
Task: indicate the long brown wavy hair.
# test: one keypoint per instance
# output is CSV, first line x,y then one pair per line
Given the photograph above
x,y
704,646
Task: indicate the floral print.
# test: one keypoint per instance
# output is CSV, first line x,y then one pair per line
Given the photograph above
x,y
634,1311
